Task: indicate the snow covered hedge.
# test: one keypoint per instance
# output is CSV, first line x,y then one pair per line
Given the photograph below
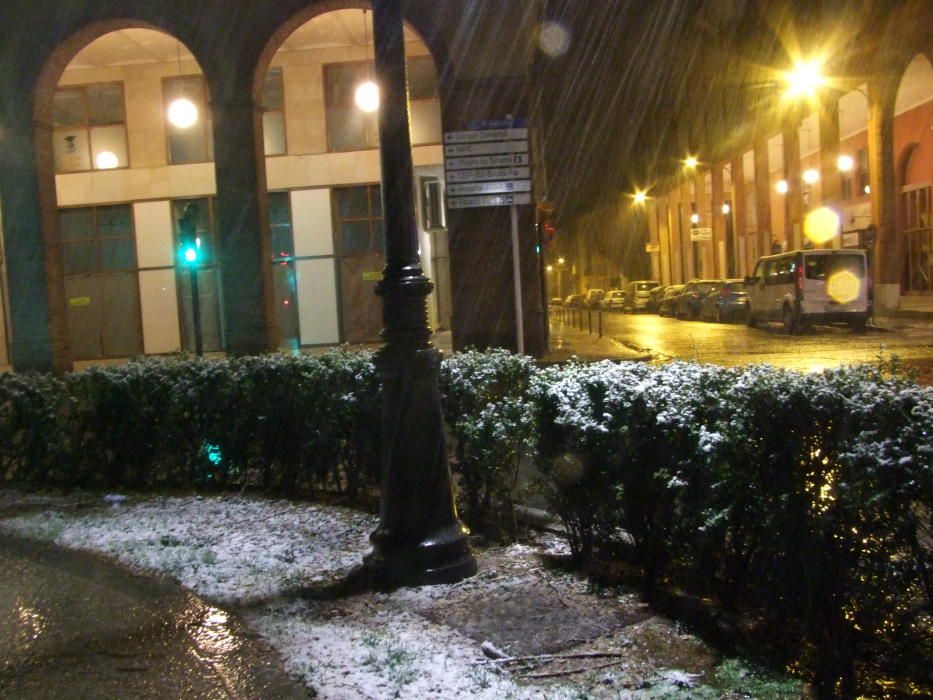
x,y
805,499
276,421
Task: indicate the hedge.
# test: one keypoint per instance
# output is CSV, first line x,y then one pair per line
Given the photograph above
x,y
802,501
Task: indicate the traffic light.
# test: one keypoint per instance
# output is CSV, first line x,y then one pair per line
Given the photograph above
x,y
189,245
547,227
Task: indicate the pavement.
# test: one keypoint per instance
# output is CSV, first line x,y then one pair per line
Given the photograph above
x,y
75,625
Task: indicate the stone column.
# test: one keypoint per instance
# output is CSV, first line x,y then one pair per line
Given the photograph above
x,y
763,196
718,222
831,182
888,250
739,220
242,225
38,324
793,199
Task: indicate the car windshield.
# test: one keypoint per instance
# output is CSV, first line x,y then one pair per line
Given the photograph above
x,y
736,286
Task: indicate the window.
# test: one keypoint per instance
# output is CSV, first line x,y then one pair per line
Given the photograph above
x,y
358,219
273,113
89,128
191,144
97,239
349,128
207,275
863,174
432,204
283,269
424,105
101,286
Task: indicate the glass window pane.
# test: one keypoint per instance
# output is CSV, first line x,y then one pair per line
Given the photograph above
x,y
105,104
108,147
425,122
273,133
68,108
280,226
71,151
286,304
346,129
115,222
117,254
76,224
340,81
355,238
375,200
79,258
187,145
273,91
352,202
422,78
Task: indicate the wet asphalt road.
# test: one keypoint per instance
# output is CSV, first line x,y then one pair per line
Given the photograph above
x,y
735,344
73,625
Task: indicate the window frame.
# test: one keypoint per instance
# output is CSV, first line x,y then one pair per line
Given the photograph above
x,y
281,111
205,120
99,269
88,129
372,189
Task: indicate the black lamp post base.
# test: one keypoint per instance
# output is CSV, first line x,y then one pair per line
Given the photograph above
x,y
444,557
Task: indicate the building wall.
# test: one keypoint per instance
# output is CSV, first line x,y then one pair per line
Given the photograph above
x,y
307,170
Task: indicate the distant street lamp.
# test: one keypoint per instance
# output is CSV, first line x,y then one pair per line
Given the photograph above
x,y
419,539
804,79
845,163
640,197
691,162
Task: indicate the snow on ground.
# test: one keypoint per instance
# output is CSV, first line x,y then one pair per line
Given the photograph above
x,y
259,555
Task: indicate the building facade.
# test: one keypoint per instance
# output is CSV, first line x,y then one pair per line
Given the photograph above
x,y
861,146
269,155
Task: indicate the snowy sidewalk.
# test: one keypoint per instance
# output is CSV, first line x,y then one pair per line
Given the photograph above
x,y
277,566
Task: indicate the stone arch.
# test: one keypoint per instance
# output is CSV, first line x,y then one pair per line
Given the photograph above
x,y
46,84
419,24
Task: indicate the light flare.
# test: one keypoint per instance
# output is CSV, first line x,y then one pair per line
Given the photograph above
x,y
366,96
182,113
821,225
843,287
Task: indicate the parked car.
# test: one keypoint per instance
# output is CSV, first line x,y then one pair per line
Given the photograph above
x,y
593,297
727,301
687,305
574,300
654,298
637,295
666,305
556,301
614,300
801,287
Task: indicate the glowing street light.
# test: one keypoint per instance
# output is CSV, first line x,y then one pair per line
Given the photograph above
x,y
821,225
781,186
845,163
640,197
804,79
107,160
726,209
691,162
811,176
694,218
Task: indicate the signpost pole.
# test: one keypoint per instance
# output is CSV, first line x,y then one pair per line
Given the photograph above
x,y
517,275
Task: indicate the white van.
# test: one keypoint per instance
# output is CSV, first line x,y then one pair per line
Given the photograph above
x,y
810,286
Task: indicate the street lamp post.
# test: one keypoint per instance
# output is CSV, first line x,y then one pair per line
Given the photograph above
x,y
419,539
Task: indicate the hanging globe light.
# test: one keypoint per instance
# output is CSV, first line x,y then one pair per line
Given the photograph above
x,y
367,96
182,113
107,160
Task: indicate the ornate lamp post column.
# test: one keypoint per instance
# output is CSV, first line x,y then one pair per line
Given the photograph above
x,y
419,539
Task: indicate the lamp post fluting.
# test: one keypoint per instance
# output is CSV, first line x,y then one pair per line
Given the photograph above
x,y
420,539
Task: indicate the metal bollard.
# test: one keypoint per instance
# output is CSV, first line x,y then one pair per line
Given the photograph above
x,y
589,320
600,320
